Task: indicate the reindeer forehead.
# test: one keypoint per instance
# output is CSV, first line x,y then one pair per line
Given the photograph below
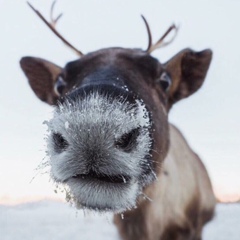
x,y
113,58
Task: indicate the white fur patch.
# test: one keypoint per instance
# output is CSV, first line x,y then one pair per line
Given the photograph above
x,y
91,126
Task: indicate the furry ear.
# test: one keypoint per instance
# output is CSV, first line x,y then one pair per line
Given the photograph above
x,y
42,76
187,70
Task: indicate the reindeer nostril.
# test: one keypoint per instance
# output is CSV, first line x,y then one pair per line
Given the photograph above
x,y
60,143
128,140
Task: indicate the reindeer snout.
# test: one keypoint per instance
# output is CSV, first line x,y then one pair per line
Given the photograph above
x,y
99,137
97,149
126,142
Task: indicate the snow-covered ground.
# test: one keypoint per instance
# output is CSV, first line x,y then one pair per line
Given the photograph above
x,y
57,221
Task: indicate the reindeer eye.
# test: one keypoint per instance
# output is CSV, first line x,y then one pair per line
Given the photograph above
x,y
60,143
128,140
164,81
59,86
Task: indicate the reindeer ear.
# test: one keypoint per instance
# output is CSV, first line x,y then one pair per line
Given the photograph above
x,y
42,76
187,70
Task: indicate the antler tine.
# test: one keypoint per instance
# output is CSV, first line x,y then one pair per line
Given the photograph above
x,y
52,24
54,21
149,33
160,43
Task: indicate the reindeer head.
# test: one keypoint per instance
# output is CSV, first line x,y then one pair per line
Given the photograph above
x,y
109,133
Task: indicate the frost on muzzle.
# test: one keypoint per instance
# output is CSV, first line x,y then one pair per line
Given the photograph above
x,y
99,147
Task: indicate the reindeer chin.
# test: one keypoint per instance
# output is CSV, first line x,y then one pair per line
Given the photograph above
x,y
104,196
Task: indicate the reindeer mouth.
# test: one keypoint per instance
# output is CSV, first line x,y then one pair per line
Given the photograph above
x,y
103,192
92,176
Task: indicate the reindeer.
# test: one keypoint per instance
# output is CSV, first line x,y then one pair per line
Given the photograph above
x,y
110,141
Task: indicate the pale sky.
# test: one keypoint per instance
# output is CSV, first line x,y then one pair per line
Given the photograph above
x,y
210,119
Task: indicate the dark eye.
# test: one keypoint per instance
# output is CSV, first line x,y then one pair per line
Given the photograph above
x,y
165,81
128,140
59,86
60,143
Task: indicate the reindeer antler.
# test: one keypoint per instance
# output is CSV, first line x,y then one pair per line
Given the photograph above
x,y
160,43
52,26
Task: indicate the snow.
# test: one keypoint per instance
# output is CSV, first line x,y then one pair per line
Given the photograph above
x,y
66,124
59,221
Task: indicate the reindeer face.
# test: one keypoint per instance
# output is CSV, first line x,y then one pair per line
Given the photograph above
x,y
109,131
101,135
